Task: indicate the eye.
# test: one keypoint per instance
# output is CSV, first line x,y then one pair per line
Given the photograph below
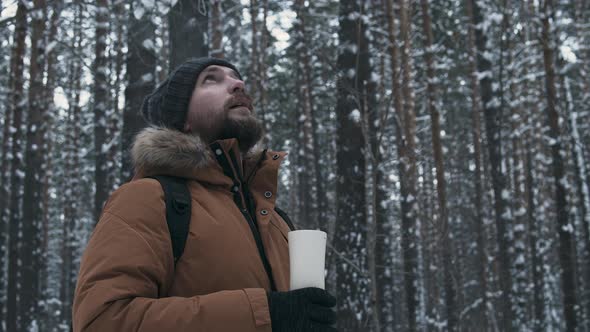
x,y
209,77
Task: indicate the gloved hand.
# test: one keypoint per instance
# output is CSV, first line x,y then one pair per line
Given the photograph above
x,y
306,309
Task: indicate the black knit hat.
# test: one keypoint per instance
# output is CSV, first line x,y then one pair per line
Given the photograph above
x,y
168,105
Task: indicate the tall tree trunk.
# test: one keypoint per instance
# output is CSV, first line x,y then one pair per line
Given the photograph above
x,y
141,70
49,120
520,273
70,212
354,73
309,169
373,120
100,93
371,210
4,197
582,191
493,116
446,236
429,257
536,261
118,21
216,30
17,107
531,194
72,179
254,79
5,188
477,152
188,22
377,122
405,137
262,73
408,164
564,228
34,173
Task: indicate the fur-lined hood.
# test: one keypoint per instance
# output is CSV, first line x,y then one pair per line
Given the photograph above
x,y
159,150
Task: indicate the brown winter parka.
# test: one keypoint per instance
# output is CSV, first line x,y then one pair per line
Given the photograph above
x,y
128,280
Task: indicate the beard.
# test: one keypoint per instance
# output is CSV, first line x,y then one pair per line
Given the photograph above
x,y
247,130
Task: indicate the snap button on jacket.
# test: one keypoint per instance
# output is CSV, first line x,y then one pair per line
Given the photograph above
x,y
127,279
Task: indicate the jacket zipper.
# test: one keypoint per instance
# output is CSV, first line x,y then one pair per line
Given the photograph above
x,y
240,201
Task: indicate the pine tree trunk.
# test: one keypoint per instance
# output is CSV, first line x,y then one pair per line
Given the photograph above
x,y
216,30
45,315
477,152
17,107
383,240
101,102
493,131
308,176
519,259
405,136
141,70
408,163
114,126
536,259
372,125
444,228
519,230
371,208
262,73
34,174
530,195
71,213
564,228
582,191
188,23
254,79
428,255
5,190
350,235
72,170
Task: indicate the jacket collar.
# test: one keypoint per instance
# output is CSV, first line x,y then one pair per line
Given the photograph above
x,y
163,151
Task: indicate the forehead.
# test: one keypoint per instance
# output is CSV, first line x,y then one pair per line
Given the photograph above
x,y
219,69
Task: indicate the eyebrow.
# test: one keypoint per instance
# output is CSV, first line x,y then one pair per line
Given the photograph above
x,y
216,69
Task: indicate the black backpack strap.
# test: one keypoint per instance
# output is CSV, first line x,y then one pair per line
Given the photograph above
x,y
285,217
178,211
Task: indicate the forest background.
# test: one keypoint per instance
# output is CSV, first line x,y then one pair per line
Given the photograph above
x,y
443,145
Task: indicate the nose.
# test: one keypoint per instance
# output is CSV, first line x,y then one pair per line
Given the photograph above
x,y
236,85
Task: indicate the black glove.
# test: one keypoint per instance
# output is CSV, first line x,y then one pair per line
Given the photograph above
x,y
302,310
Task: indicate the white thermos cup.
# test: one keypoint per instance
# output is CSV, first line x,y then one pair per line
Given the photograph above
x,y
307,255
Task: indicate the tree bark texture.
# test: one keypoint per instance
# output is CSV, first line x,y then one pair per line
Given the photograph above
x,y
141,70
188,22
477,153
445,230
17,107
32,217
405,137
564,228
72,179
216,30
309,177
493,116
100,107
354,71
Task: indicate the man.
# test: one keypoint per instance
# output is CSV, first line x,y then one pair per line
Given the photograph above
x,y
234,272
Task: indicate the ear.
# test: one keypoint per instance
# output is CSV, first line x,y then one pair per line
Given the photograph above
x,y
187,127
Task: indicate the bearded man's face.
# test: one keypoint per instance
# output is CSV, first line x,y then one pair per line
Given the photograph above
x,y
219,108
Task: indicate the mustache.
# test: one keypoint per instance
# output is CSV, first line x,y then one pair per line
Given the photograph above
x,y
239,99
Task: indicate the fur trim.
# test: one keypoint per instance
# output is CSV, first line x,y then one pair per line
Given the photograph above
x,y
158,150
